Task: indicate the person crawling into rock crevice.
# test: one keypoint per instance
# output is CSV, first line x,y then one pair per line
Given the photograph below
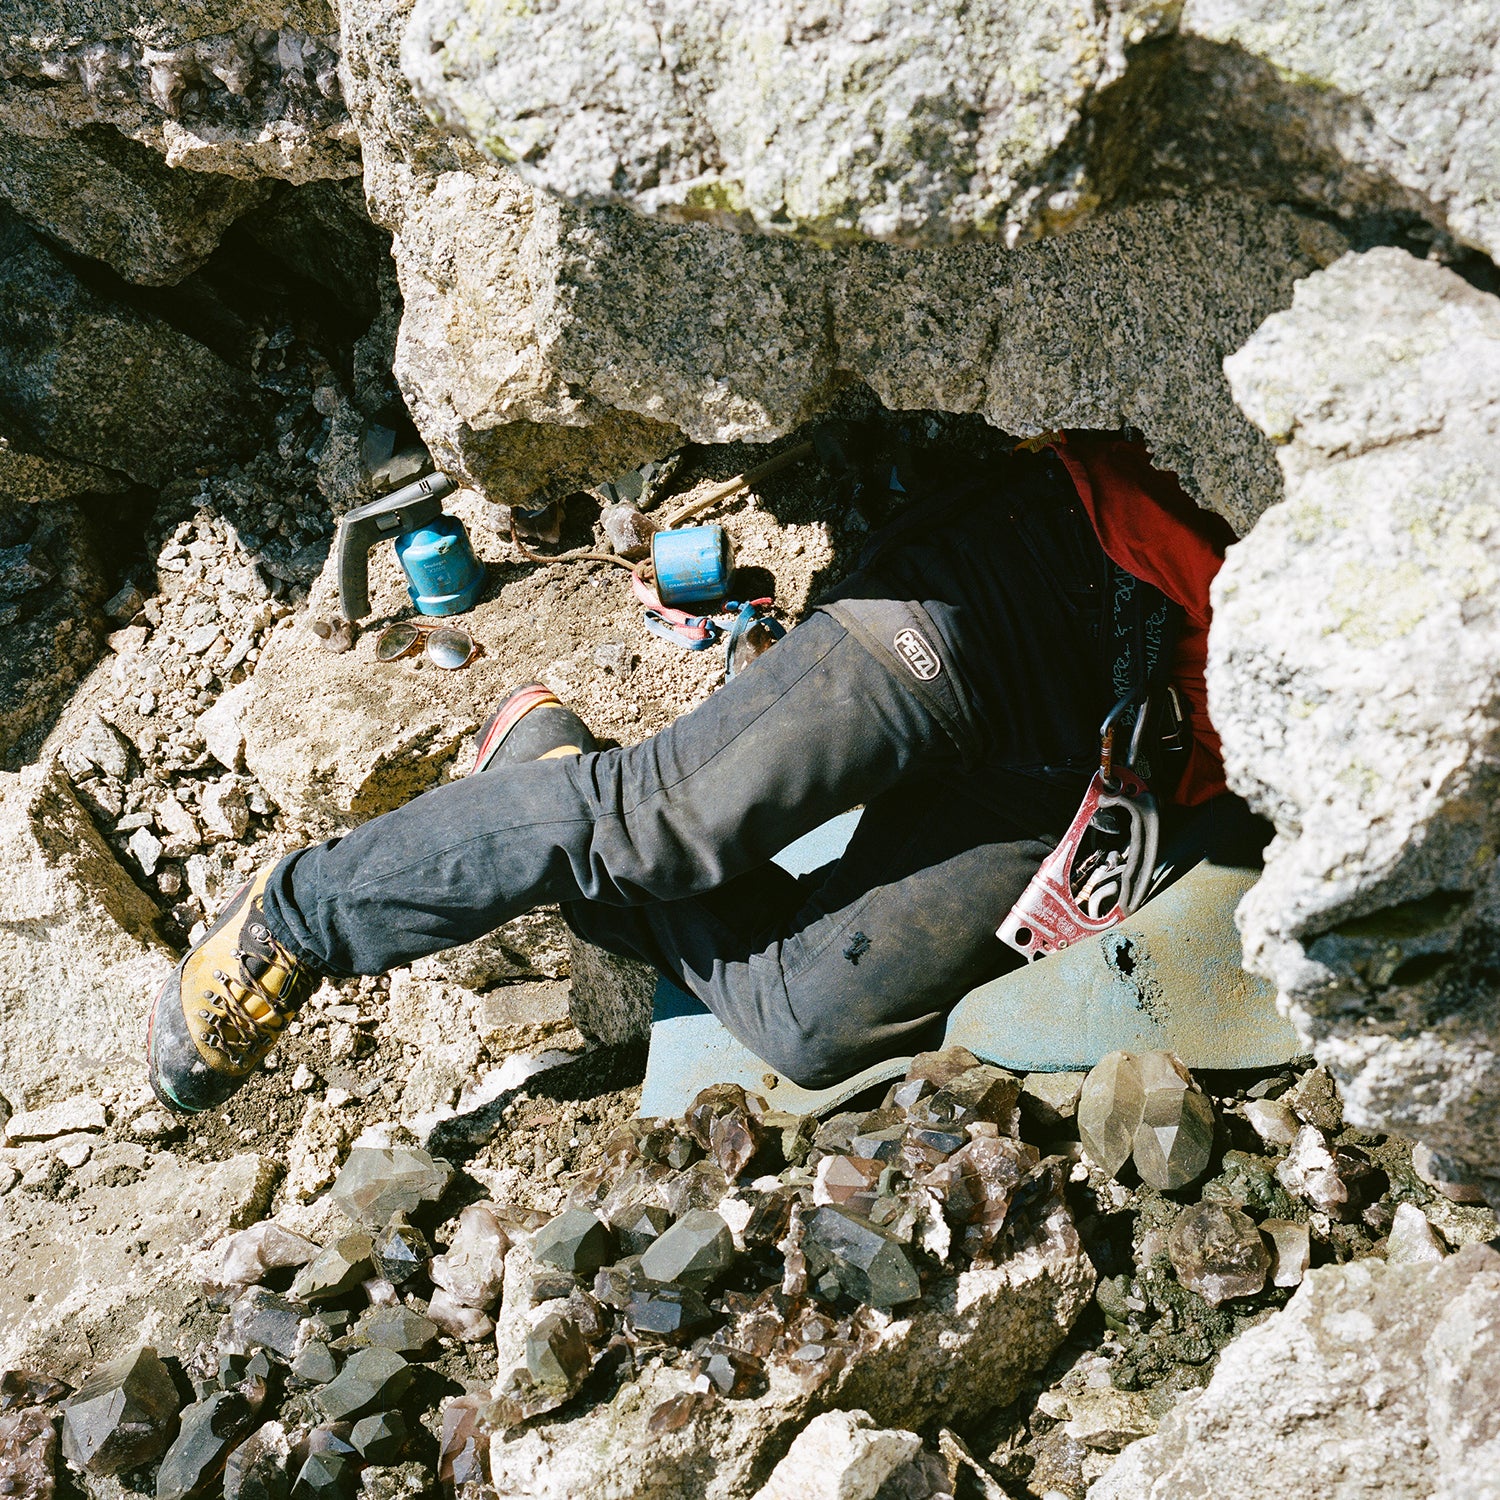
x,y
953,686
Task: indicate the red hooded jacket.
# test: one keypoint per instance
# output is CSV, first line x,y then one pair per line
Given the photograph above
x,y
1149,526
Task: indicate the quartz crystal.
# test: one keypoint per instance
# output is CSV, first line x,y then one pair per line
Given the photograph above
x,y
575,1241
995,1168
837,1132
28,1388
849,1181
695,1252
614,1285
464,1447
770,1217
681,1151
732,1372
210,1428
1051,1099
701,1186
676,1412
378,1181
398,1329
371,1380
557,1354
1412,1239
668,1314
734,1138
1272,1121
327,1437
982,1093
787,1137
639,1184
400,1251
28,1454
1110,1106
257,1469
473,1269
379,1438
244,1258
882,1144
927,1146
1291,1250
261,1319
1217,1252
325,1476
718,1101
315,1364
466,1324
906,1093
938,1068
254,1376
1174,1140
639,1226
336,1270
1310,1172
122,1416
868,1264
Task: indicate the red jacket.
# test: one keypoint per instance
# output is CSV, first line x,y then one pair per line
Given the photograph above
x,y
1152,528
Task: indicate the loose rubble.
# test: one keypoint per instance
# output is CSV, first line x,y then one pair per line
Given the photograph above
x,y
714,1283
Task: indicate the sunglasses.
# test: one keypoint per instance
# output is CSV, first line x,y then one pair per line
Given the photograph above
x,y
446,645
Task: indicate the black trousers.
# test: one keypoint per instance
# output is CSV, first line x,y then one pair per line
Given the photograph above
x,y
662,850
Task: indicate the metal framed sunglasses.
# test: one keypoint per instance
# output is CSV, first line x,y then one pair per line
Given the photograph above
x,y
446,645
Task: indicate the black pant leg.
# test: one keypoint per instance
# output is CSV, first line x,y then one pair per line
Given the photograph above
x,y
812,728
865,960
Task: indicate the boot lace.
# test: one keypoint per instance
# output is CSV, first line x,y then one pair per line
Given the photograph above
x,y
233,1030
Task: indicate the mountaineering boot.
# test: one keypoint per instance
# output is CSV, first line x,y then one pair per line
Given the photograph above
x,y
224,1006
530,724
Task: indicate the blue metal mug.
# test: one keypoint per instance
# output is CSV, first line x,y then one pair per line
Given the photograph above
x,y
692,567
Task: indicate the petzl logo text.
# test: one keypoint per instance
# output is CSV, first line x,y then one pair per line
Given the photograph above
x,y
921,660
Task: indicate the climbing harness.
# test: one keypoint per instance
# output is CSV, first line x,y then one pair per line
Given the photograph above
x,y
1102,869
691,632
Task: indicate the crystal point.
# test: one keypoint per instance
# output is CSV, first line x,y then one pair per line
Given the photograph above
x,y
695,1252
1110,1108
377,1182
575,1241
122,1416
1217,1252
869,1264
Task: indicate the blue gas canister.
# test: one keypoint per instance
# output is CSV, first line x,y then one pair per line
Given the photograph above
x,y
692,566
443,576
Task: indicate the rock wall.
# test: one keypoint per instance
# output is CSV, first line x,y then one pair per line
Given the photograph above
x,y
74,930
548,342
1013,118
1355,674
241,88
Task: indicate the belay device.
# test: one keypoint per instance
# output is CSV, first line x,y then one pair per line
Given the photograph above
x,y
443,576
1101,872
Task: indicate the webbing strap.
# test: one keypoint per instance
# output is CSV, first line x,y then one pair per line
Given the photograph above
x,y
691,632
